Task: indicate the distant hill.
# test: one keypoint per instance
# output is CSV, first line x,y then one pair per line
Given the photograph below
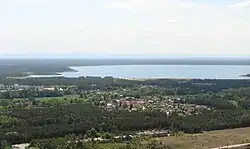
x,y
247,75
82,55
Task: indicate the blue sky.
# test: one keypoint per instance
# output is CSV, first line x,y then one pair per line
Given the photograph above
x,y
125,27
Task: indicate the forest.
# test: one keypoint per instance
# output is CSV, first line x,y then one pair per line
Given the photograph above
x,y
33,115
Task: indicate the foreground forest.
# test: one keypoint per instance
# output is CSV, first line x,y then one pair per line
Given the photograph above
x,y
74,113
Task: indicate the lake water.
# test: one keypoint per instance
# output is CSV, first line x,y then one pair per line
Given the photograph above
x,y
162,71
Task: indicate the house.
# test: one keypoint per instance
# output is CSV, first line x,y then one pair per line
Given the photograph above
x,y
2,86
132,102
129,98
110,107
49,89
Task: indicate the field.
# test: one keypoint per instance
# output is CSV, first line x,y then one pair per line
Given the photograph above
x,y
209,140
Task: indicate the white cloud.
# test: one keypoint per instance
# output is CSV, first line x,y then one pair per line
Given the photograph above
x,y
227,32
242,21
200,33
125,26
121,25
171,21
125,5
240,4
32,2
148,29
148,5
82,29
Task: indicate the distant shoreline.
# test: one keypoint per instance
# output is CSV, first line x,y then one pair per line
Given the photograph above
x,y
157,78
85,71
57,68
246,75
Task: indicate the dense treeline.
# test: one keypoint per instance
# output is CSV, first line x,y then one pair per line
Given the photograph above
x,y
62,120
20,68
82,82
31,93
23,125
226,99
247,75
184,86
221,119
198,85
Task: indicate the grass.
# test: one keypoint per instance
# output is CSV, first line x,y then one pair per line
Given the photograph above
x,y
209,140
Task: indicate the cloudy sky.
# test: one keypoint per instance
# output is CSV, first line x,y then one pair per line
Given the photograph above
x,y
135,27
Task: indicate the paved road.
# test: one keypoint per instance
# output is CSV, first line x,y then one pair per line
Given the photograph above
x,y
246,146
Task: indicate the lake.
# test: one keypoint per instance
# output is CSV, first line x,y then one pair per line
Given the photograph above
x,y
162,71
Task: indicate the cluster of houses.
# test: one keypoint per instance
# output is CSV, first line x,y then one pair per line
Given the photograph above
x,y
129,137
17,87
169,105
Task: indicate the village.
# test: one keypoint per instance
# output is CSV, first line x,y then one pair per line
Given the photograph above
x,y
108,100
131,100
166,104
18,87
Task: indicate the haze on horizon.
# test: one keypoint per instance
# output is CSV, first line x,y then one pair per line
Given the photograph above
x,y
125,27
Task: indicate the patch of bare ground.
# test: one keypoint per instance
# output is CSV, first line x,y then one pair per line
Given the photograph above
x,y
209,140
